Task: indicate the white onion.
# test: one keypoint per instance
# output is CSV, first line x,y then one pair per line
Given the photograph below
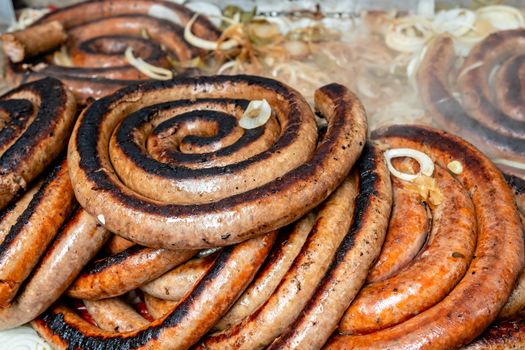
x,y
206,44
144,67
456,21
256,114
402,34
509,163
455,166
501,17
426,165
163,12
22,338
212,11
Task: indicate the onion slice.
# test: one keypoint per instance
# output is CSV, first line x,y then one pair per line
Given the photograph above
x,y
509,163
256,114
145,68
456,21
426,165
206,44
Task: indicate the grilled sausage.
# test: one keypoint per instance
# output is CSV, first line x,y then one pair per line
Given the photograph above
x,y
350,264
80,239
498,259
430,276
29,226
36,121
118,274
148,201
298,284
190,319
99,32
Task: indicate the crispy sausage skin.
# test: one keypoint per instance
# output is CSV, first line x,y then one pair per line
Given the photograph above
x,y
117,274
352,260
430,276
407,232
273,317
99,32
175,206
503,335
37,119
498,259
78,242
186,322
29,225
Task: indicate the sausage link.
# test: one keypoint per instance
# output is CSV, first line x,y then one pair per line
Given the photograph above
x,y
118,274
503,335
37,120
271,273
30,228
117,244
78,242
250,207
183,325
407,232
297,286
431,276
158,307
478,298
174,284
114,315
350,264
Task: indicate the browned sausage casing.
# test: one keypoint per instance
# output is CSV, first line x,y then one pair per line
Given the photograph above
x,y
188,200
498,259
36,121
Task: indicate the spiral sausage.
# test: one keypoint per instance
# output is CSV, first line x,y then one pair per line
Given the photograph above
x,y
36,120
99,32
430,276
188,200
495,124
498,258
190,319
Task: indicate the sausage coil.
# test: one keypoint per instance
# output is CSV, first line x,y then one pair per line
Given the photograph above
x,y
98,34
215,189
498,257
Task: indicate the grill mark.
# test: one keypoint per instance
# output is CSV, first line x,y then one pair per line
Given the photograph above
x,y
516,184
513,90
19,112
24,218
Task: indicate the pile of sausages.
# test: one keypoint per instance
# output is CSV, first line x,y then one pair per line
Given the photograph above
x,y
163,224
95,34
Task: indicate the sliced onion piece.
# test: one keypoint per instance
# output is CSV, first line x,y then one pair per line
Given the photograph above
x,y
145,68
456,22
22,338
501,17
212,11
207,44
408,34
509,163
426,165
256,114
455,167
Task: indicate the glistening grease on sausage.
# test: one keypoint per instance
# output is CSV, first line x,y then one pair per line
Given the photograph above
x,y
146,201
498,259
78,242
189,320
354,256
